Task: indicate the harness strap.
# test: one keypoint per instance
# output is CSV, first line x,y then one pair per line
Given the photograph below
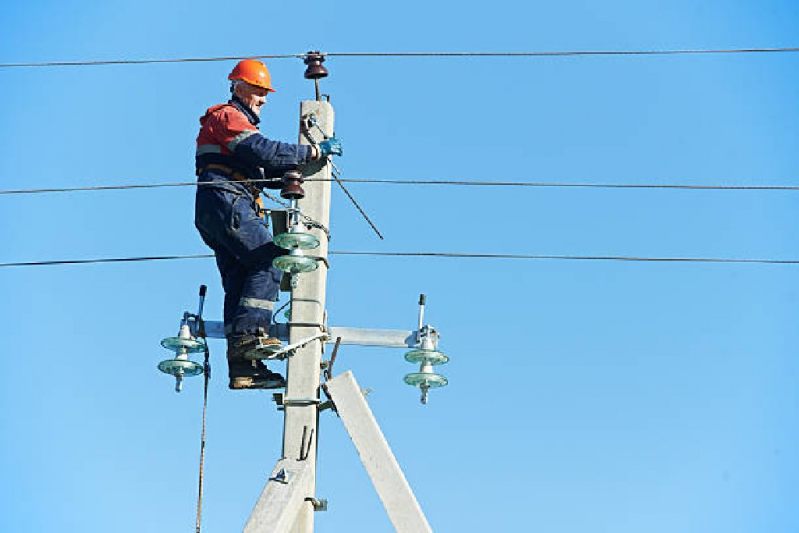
x,y
238,176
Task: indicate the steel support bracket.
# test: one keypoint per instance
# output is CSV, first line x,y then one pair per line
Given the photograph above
x,y
318,505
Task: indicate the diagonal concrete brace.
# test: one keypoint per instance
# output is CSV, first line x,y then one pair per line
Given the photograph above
x,y
403,510
281,499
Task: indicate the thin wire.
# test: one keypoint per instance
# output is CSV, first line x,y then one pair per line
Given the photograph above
x,y
107,260
272,197
573,257
563,53
145,61
429,182
335,173
279,309
103,188
432,254
588,185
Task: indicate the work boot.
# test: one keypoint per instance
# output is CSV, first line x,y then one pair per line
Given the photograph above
x,y
252,345
252,375
249,374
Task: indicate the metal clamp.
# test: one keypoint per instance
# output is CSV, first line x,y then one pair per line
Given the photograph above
x,y
318,505
306,325
300,402
282,401
287,351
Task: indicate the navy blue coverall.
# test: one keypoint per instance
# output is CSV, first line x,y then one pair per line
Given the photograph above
x,y
231,149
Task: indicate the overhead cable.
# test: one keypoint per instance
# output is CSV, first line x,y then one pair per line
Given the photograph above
x,y
154,186
567,53
106,260
556,53
585,185
145,61
98,188
731,187
430,255
573,257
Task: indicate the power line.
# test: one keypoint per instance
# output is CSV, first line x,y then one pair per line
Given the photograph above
x,y
99,188
731,187
567,53
585,185
145,61
561,53
106,260
430,255
574,257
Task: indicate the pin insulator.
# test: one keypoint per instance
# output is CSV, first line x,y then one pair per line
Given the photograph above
x,y
292,190
315,68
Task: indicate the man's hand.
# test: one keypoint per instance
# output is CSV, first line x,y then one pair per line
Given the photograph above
x,y
331,146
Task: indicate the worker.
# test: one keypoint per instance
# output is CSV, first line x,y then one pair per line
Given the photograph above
x,y
234,162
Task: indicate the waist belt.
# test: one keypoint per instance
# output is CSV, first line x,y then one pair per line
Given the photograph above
x,y
238,176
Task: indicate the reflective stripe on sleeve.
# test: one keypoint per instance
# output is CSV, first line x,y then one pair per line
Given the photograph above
x,y
257,303
238,138
209,149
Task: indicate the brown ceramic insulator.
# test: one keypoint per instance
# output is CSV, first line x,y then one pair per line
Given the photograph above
x,y
315,68
292,190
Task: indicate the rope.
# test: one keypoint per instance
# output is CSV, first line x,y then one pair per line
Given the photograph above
x,y
207,377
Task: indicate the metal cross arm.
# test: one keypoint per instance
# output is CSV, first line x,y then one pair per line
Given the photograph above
x,y
389,338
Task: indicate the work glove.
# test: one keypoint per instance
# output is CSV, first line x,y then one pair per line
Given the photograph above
x,y
331,146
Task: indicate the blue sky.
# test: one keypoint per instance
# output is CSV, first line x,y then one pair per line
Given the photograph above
x,y
583,396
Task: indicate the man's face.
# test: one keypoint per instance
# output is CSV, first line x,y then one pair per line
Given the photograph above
x,y
253,96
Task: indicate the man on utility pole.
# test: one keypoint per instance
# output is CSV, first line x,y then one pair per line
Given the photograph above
x,y
234,162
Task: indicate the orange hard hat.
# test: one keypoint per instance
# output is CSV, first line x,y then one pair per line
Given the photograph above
x,y
253,72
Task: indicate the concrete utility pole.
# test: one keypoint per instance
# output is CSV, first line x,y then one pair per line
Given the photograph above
x,y
288,501
301,426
